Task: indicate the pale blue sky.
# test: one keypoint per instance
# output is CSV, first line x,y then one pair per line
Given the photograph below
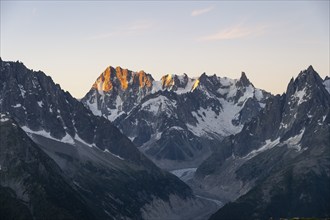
x,y
74,42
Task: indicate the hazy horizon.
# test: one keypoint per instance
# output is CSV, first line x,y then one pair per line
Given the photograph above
x,y
74,42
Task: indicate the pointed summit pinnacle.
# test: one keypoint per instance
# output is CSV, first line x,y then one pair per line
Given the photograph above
x,y
309,73
310,68
244,81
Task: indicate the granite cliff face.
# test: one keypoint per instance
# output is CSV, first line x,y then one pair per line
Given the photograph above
x,y
112,87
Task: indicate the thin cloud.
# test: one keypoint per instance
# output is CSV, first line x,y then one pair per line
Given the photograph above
x,y
235,33
201,11
133,29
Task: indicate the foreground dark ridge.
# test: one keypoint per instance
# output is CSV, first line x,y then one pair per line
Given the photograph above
x,y
101,167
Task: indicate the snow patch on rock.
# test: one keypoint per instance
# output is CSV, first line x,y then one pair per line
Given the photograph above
x,y
3,118
188,88
41,132
40,103
300,96
268,145
67,139
115,155
294,142
21,88
184,174
17,106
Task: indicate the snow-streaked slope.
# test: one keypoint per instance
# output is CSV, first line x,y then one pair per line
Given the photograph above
x,y
209,122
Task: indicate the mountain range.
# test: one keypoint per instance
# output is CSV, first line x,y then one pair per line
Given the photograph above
x,y
235,147
178,120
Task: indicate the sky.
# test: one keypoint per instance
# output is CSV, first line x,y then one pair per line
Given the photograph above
x,y
74,41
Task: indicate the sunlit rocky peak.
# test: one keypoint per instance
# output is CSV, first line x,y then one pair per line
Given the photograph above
x,y
167,81
121,79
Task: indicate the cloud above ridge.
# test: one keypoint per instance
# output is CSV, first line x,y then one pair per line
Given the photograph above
x,y
201,11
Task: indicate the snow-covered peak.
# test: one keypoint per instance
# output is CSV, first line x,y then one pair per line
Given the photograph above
x,y
308,82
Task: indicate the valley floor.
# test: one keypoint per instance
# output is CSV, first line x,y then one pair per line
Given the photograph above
x,y
186,175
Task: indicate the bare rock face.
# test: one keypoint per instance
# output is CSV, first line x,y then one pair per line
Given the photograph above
x,y
104,83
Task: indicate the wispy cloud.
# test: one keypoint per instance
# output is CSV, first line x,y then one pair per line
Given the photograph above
x,y
236,32
130,30
201,11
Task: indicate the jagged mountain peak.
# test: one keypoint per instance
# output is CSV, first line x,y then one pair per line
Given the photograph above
x,y
243,81
118,90
204,77
306,103
308,82
310,68
177,83
167,81
121,79
183,83
309,74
